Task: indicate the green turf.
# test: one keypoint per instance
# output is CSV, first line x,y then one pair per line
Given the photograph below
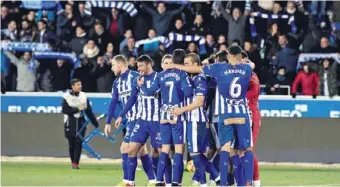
x,y
34,174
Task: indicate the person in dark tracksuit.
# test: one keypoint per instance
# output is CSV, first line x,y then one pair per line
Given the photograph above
x,y
74,106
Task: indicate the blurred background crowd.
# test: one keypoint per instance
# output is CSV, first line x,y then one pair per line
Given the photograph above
x,y
294,44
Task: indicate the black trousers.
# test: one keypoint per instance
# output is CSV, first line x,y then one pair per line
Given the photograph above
x,y
75,147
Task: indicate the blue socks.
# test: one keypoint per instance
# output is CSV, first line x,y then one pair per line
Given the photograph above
x,y
238,170
162,164
200,165
147,166
178,167
224,161
125,165
132,165
168,172
248,165
154,164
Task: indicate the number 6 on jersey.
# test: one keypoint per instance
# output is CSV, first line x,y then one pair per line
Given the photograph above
x,y
235,89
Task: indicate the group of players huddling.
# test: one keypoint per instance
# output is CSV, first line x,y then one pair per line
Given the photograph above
x,y
203,105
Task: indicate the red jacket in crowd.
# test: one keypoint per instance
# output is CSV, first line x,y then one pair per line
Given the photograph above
x,y
309,83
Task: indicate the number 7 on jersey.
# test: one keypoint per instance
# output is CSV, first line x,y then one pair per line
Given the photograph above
x,y
170,84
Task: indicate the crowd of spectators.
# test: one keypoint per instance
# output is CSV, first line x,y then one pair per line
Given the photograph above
x,y
96,33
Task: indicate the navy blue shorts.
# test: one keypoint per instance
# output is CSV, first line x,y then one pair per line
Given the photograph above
x,y
145,129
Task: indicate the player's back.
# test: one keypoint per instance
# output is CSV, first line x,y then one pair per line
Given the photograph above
x,y
232,83
236,79
171,84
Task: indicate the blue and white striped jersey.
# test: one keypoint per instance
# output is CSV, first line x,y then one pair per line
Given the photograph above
x,y
122,87
232,84
174,86
200,88
150,104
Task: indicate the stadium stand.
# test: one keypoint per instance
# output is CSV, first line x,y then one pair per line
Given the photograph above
x,y
45,43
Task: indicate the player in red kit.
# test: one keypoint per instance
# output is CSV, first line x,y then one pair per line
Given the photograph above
x,y
253,97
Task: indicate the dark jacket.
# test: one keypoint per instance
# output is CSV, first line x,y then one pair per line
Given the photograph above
x,y
77,44
331,79
288,58
104,78
281,81
73,118
161,22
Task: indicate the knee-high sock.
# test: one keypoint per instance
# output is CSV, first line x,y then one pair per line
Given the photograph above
x,y
132,165
256,175
154,164
224,162
162,163
168,172
238,170
125,166
248,165
200,165
177,168
147,166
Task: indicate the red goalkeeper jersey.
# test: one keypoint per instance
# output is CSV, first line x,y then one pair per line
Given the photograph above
x,y
253,96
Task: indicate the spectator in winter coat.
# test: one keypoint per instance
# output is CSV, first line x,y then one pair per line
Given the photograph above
x,y
162,17
109,53
288,58
309,82
86,73
236,24
91,51
11,33
115,22
82,18
61,75
312,38
77,43
44,36
199,28
210,44
180,29
324,47
5,19
272,42
26,67
26,34
328,78
104,81
101,36
44,78
130,50
128,33
273,84
66,23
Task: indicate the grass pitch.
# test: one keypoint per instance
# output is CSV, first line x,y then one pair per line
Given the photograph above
x,y
52,174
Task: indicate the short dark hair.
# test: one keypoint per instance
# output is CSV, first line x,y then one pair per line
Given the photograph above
x,y
244,54
236,41
220,56
74,81
235,50
178,56
282,67
145,58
